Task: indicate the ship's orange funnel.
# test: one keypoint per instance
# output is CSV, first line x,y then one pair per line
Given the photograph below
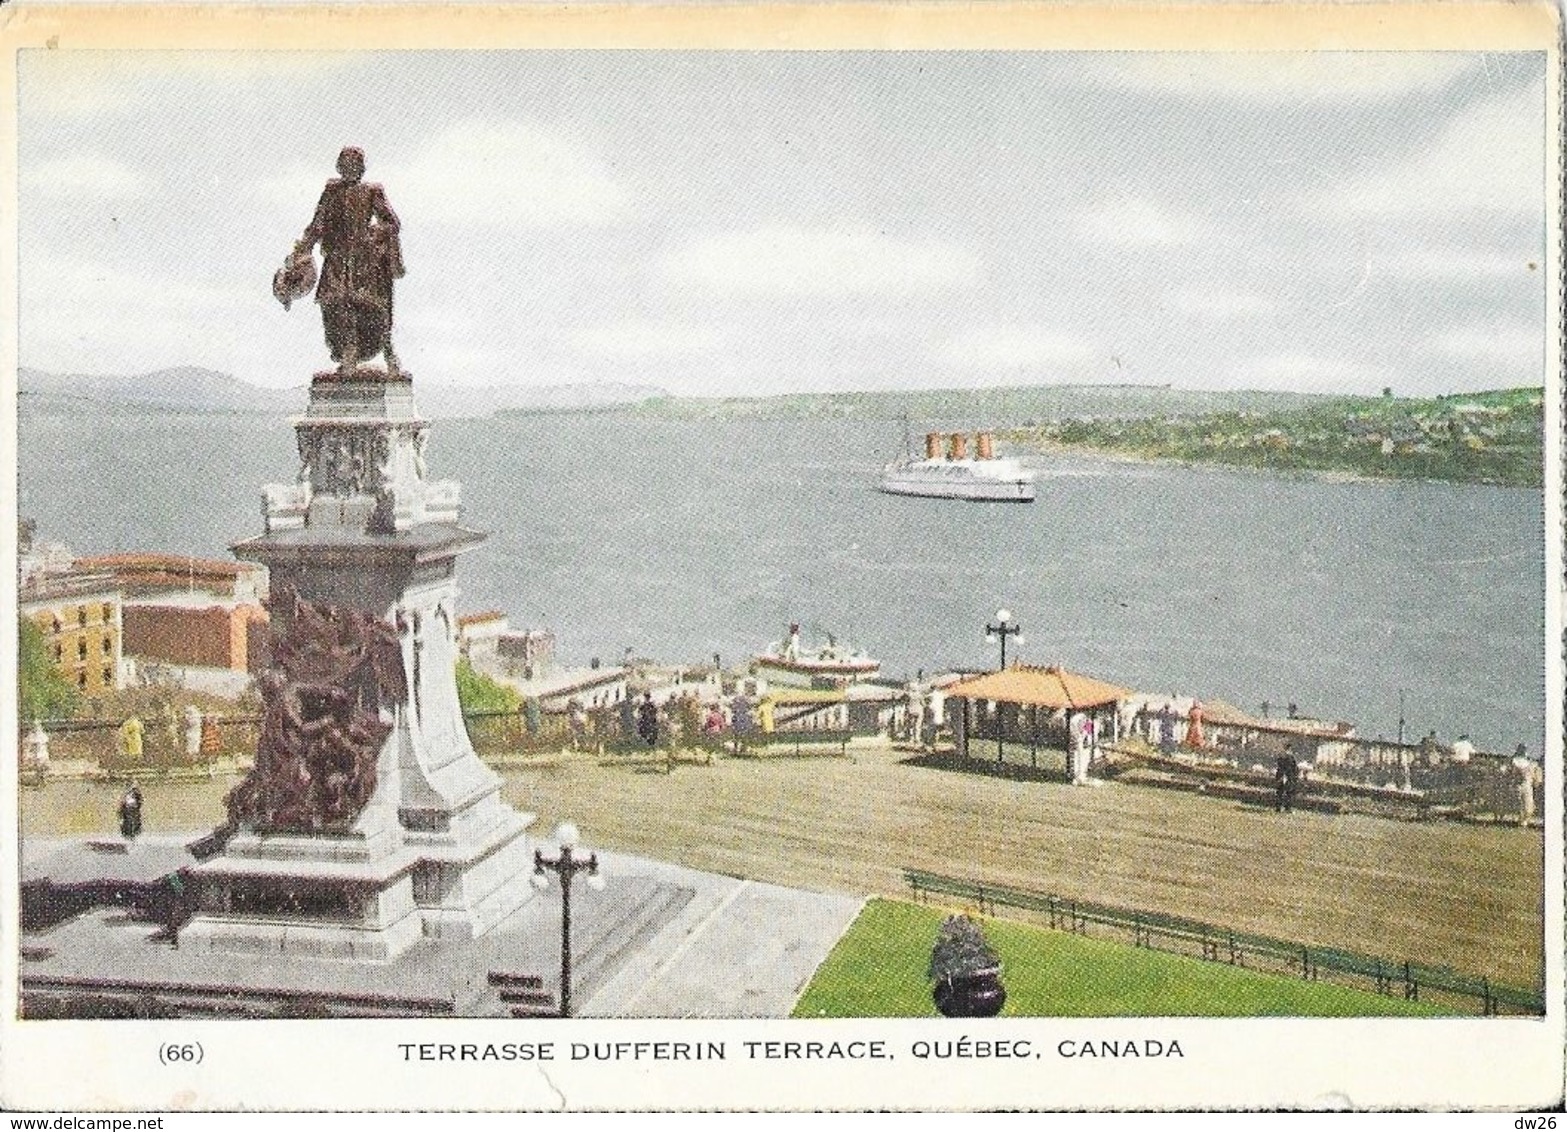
x,y
986,450
933,446
957,447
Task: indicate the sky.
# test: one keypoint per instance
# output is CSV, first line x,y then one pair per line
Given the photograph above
x,y
767,222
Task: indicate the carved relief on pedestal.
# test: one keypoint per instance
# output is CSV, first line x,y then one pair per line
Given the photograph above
x,y
341,460
334,670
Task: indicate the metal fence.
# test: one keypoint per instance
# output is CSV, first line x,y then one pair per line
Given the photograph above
x,y
512,732
93,746
165,748
1222,945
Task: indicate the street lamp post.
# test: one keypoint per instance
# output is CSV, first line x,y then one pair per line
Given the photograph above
x,y
566,864
999,630
1002,628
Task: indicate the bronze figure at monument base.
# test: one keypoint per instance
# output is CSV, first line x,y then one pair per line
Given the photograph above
x,y
333,671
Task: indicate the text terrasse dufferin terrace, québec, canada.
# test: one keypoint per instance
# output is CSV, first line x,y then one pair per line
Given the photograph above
x,y
962,1049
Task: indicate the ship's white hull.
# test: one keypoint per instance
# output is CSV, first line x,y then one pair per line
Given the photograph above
x,y
806,674
950,479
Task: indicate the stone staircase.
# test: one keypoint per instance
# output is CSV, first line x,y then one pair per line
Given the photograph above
x,y
603,940
640,922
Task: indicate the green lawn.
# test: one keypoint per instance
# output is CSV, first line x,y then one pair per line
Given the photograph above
x,y
877,970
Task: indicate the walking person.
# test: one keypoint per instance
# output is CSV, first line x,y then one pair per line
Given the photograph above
x,y
673,732
628,717
647,720
130,813
1166,729
211,738
193,733
577,718
601,723
35,756
1286,777
131,739
740,721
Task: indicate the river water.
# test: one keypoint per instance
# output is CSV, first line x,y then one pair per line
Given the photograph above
x,y
681,539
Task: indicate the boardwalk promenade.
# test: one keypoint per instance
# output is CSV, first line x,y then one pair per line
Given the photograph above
x,y
1462,895
1442,893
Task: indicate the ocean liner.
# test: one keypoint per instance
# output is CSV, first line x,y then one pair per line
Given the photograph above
x,y
955,475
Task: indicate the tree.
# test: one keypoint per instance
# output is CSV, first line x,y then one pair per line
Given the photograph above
x,y
478,694
42,691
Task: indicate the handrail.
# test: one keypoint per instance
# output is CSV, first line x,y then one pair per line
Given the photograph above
x,y
1064,913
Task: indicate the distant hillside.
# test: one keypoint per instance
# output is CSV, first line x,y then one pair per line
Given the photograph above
x,y
194,390
1494,437
183,388
1010,406
506,400
1034,407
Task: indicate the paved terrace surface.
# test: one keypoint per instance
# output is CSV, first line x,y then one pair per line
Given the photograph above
x,y
647,946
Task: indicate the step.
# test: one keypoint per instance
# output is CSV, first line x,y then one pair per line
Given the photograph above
x,y
528,998
512,979
644,920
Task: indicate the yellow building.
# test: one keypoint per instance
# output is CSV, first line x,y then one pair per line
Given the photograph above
x,y
79,617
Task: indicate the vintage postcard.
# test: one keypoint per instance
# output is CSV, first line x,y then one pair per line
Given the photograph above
x,y
827,557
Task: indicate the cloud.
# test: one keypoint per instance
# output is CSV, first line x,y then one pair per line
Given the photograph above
x,y
1279,77
1489,159
1138,223
647,339
1514,343
83,176
1453,263
80,290
819,263
73,310
503,175
1017,347
295,186
450,321
1210,304
1308,373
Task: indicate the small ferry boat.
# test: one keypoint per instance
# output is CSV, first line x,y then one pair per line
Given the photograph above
x,y
955,475
830,666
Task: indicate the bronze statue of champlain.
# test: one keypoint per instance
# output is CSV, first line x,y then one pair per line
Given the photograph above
x,y
361,255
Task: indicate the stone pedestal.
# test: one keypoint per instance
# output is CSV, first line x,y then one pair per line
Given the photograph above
x,y
435,852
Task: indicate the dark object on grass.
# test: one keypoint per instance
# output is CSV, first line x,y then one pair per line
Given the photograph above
x,y
130,813
967,972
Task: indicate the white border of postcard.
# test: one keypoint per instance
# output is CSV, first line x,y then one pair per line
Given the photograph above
x,y
1368,1063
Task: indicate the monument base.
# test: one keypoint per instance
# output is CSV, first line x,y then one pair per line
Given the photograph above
x,y
357,899
465,886
361,553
